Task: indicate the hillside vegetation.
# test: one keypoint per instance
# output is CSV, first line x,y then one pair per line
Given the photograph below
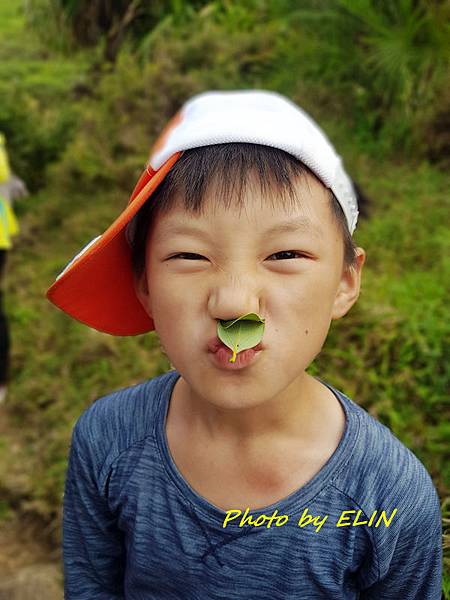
x,y
82,98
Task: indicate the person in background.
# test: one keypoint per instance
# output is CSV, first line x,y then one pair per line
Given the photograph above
x,y
11,188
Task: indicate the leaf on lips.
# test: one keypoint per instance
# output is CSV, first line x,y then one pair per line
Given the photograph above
x,y
241,333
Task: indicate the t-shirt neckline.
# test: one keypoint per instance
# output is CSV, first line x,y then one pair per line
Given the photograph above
x,y
287,505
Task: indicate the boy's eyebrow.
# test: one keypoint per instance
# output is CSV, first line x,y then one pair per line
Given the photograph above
x,y
298,224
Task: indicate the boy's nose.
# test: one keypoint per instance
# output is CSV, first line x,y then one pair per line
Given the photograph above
x,y
235,292
229,304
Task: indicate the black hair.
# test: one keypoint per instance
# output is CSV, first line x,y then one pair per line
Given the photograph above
x,y
228,165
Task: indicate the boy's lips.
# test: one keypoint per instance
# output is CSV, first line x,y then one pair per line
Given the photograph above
x,y
215,344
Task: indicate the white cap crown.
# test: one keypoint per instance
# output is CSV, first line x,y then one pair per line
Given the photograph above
x,y
260,117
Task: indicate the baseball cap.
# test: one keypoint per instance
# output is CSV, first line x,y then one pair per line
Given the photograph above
x,y
97,286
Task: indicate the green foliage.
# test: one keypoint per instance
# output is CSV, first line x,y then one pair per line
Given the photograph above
x,y
36,137
5,510
385,62
38,112
49,23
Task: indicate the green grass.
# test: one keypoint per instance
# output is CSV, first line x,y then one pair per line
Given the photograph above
x,y
26,62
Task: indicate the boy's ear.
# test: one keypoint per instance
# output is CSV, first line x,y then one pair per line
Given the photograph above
x,y
349,286
141,290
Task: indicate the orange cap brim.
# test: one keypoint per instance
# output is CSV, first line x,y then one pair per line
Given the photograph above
x,y
97,289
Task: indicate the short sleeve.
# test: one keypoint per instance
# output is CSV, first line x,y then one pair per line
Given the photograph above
x,y
93,548
414,571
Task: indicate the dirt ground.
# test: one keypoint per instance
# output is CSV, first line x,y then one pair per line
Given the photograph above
x,y
28,569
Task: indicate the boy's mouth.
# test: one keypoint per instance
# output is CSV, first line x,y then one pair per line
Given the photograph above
x,y
215,344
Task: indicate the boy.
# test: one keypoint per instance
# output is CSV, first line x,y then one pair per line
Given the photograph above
x,y
250,479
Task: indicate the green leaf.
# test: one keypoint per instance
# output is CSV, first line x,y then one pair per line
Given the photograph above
x,y
241,333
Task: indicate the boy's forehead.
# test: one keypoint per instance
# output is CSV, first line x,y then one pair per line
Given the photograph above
x,y
276,226
308,210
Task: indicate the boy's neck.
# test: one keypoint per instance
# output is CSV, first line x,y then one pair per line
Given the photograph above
x,y
297,412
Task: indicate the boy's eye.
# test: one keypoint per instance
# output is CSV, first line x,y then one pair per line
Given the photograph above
x,y
199,257
181,254
298,254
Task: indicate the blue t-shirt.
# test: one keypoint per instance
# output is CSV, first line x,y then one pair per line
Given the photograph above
x,y
134,529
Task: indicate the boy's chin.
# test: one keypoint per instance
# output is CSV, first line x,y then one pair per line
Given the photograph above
x,y
230,390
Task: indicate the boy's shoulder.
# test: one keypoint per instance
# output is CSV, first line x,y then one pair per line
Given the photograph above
x,y
116,421
381,473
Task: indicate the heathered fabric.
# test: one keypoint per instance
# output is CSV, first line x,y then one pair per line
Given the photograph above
x,y
133,528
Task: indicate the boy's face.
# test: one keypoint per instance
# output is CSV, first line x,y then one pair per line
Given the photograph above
x,y
233,268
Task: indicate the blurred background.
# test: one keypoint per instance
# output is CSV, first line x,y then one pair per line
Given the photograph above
x,y
85,87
